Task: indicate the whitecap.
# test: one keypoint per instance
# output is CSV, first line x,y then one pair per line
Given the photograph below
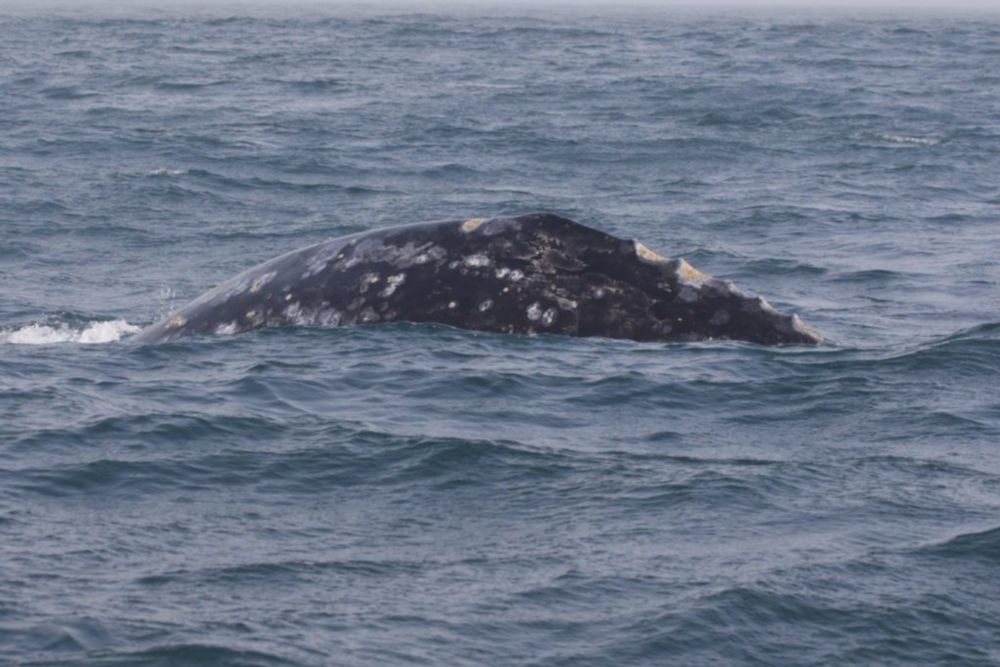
x,y
87,334
903,139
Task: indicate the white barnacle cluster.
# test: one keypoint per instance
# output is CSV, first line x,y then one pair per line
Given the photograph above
x,y
367,280
564,303
255,317
366,250
505,273
477,260
227,328
327,317
402,255
293,313
368,315
392,284
547,316
424,254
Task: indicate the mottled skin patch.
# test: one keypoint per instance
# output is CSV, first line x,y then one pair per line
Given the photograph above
x,y
534,273
472,224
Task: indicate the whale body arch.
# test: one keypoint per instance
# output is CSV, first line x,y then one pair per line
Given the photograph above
x,y
538,273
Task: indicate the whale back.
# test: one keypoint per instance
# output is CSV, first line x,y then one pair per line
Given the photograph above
x,y
538,273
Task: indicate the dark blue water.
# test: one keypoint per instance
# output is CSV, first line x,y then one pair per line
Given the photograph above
x,y
423,495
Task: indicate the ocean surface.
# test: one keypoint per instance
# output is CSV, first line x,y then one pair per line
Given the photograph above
x,y
407,495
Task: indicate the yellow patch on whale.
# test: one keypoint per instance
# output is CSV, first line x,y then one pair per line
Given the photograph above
x,y
176,322
687,272
472,224
683,270
646,254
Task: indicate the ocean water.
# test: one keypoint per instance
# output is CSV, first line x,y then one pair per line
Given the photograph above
x,y
399,495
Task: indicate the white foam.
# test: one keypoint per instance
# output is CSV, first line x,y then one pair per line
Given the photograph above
x,y
89,334
163,171
902,139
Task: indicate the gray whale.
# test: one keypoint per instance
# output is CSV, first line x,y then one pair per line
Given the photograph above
x,y
537,273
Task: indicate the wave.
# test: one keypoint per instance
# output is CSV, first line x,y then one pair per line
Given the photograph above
x,y
337,455
205,178
165,171
75,53
973,350
983,544
902,139
67,93
289,570
869,277
194,654
776,266
319,84
87,334
184,86
769,116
